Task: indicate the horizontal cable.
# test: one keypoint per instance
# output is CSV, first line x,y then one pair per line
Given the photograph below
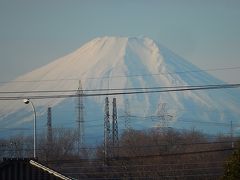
x,y
120,76
110,89
108,172
123,93
126,165
171,154
156,177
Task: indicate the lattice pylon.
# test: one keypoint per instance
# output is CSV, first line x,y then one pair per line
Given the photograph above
x,y
107,131
115,141
80,117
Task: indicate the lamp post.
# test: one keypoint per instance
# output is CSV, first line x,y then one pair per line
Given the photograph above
x,y
27,101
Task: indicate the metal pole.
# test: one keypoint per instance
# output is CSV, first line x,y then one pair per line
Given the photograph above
x,y
34,130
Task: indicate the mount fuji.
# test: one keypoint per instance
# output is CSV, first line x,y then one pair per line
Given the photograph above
x,y
110,63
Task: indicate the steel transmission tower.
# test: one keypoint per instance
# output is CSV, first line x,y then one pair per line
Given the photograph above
x,y
107,131
127,115
49,125
163,115
111,142
115,142
80,116
231,133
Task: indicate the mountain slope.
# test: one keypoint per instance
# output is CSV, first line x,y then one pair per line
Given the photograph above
x,y
121,62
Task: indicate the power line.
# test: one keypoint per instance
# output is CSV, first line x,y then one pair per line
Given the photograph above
x,y
173,154
119,76
110,89
152,155
134,171
160,164
152,118
150,146
134,117
98,162
152,177
177,89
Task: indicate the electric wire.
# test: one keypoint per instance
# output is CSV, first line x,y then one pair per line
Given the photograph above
x,y
115,89
225,86
71,163
119,76
152,177
147,171
145,146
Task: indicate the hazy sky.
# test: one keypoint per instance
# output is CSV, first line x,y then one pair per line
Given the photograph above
x,y
34,33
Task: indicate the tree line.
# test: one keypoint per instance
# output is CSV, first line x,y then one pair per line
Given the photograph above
x,y
158,153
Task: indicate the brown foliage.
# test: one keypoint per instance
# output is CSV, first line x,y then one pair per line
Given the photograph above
x,y
155,153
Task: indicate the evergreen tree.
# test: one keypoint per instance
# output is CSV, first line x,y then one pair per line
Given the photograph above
x,y
232,169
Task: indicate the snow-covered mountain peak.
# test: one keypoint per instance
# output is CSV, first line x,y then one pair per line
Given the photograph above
x,y
126,62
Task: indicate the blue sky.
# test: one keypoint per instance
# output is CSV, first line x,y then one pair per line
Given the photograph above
x,y
34,33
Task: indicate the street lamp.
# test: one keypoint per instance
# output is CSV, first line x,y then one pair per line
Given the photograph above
x,y
27,101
